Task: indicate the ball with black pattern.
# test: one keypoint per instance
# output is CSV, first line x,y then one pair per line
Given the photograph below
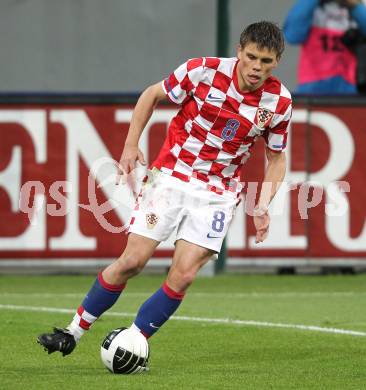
x,y
125,351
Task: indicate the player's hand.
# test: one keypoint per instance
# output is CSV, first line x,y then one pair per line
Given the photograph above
x,y
127,163
261,220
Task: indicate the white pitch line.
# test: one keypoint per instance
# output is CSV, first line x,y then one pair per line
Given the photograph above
x,y
57,310
214,295
227,321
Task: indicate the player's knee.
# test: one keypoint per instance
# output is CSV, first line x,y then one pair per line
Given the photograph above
x,y
130,264
185,278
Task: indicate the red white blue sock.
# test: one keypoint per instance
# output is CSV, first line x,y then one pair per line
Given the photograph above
x,y
157,310
99,299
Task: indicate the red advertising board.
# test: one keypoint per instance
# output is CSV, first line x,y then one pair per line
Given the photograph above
x,y
58,198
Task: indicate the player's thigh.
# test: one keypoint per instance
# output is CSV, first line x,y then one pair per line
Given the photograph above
x,y
207,225
139,247
158,210
187,260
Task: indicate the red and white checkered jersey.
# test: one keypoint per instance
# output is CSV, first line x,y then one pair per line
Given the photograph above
x,y
211,136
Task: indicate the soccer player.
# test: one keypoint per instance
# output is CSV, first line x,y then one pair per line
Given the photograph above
x,y
193,185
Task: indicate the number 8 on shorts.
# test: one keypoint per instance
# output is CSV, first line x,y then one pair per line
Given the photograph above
x,y
218,221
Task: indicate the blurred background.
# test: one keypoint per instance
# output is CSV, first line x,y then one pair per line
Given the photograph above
x,y
117,45
70,74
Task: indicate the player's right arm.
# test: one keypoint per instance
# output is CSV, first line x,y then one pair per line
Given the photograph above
x,y
177,88
141,115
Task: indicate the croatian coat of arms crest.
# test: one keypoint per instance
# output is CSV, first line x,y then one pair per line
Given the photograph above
x,y
263,117
151,220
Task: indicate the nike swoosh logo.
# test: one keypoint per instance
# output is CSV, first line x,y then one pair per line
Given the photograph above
x,y
153,326
209,236
214,98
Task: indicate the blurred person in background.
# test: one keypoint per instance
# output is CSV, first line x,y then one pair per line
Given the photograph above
x,y
332,34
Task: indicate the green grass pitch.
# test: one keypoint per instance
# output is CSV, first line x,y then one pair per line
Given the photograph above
x,y
193,351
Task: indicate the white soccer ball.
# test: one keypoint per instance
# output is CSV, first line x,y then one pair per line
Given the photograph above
x,y
125,351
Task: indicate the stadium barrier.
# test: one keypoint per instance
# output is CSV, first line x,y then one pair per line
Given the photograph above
x,y
57,174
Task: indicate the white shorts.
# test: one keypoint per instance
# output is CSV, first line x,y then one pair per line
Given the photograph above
x,y
165,202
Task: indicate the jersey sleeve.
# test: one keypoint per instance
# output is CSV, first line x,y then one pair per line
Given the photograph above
x,y
276,134
180,84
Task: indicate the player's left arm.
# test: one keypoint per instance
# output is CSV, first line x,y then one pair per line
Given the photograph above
x,y
273,178
276,140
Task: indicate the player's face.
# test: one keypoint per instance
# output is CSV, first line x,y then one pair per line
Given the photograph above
x,y
255,66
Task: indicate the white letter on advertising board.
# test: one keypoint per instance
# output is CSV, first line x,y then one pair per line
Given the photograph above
x,y
34,122
338,221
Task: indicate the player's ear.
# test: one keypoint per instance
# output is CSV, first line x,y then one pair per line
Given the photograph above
x,y
239,51
277,60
